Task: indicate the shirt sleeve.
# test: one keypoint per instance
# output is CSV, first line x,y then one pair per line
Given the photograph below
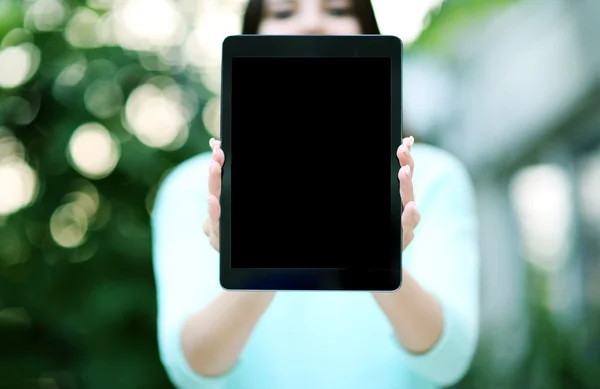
x,y
444,259
185,265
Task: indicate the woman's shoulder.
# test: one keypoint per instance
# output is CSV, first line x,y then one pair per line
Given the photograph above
x,y
190,177
191,168
435,166
435,159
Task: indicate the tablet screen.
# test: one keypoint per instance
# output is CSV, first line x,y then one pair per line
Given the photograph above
x,y
310,163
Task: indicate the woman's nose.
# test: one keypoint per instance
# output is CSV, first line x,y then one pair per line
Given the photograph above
x,y
312,23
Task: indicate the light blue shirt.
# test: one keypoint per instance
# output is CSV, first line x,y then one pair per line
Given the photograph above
x,y
326,340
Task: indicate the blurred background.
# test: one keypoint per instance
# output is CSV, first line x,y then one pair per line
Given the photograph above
x,y
99,99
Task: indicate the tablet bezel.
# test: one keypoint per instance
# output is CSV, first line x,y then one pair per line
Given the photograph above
x,y
327,46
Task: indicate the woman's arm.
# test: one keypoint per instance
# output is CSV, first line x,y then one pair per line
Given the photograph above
x,y
435,312
198,340
414,313
214,337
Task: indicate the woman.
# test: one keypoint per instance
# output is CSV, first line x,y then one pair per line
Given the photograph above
x,y
421,336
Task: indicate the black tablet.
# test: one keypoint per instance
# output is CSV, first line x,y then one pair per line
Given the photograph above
x,y
310,125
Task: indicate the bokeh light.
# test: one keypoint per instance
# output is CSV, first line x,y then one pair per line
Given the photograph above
x,y
203,48
87,200
21,111
148,24
103,99
18,185
93,151
72,74
69,225
46,15
10,146
212,117
18,64
18,180
72,222
157,117
542,196
82,29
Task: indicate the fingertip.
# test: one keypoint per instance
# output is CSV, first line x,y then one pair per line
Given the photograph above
x,y
219,156
404,171
416,216
213,208
215,166
214,144
213,201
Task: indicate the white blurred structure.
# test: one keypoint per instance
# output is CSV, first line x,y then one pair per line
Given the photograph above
x,y
525,114
523,75
428,93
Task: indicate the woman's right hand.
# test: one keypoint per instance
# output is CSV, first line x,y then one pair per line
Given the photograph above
x,y
211,224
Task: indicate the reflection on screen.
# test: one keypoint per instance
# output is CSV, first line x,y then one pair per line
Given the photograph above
x,y
310,163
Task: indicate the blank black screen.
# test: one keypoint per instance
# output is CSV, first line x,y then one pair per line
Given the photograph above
x,y
310,163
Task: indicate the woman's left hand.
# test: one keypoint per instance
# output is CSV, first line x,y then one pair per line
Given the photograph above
x,y
410,215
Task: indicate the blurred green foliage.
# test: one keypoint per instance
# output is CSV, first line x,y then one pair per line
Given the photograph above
x,y
557,356
81,316
450,18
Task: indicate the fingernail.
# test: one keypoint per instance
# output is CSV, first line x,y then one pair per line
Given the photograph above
x,y
408,169
416,205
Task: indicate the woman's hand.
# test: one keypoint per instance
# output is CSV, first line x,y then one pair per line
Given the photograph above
x,y
416,315
410,215
211,224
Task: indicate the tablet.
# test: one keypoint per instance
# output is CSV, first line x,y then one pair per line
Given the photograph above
x,y
310,126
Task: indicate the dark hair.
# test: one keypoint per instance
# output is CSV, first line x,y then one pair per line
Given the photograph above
x,y
363,10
